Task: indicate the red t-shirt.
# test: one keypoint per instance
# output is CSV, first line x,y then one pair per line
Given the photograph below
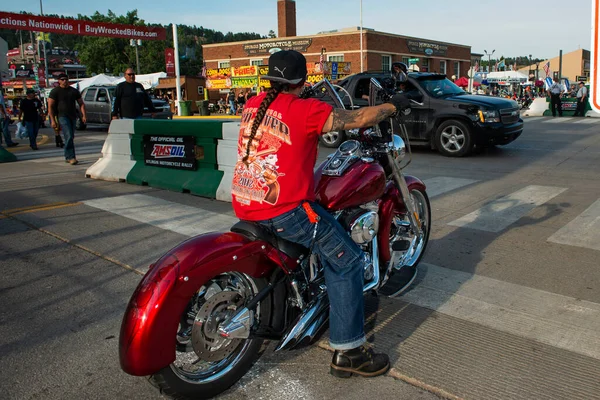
x,y
278,175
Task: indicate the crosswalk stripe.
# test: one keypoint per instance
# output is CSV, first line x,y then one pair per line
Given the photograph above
x,y
558,120
553,319
442,184
500,213
587,121
531,119
179,218
583,231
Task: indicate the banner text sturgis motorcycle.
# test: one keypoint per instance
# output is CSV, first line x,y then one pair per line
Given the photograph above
x,y
197,320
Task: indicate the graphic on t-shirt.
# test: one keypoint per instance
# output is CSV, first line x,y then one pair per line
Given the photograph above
x,y
256,179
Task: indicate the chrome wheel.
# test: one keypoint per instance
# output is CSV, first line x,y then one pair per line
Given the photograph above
x,y
202,355
453,139
401,230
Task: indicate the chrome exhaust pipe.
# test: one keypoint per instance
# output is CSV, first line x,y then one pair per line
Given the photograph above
x,y
305,322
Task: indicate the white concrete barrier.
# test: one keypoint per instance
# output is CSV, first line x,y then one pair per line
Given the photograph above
x,y
116,160
227,158
537,108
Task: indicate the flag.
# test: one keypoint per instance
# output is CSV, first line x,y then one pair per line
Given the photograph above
x,y
477,66
321,61
501,64
203,73
547,68
515,66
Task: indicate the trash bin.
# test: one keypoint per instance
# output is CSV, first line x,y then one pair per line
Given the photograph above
x,y
186,108
203,107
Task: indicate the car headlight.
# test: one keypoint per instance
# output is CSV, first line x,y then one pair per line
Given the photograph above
x,y
489,116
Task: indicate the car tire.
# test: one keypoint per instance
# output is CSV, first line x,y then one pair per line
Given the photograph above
x,y
79,125
333,139
453,138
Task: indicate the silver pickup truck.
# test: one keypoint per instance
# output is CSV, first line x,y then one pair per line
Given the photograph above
x,y
98,104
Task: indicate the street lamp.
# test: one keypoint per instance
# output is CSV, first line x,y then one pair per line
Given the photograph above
x,y
489,59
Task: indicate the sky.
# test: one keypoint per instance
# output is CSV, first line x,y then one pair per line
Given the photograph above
x,y
510,27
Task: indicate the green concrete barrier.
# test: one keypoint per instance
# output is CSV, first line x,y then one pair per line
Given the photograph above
x,y
6,156
569,106
202,182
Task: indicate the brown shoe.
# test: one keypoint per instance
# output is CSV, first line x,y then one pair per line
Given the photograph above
x,y
361,361
73,161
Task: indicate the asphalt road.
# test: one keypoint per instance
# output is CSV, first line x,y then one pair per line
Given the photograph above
x,y
507,303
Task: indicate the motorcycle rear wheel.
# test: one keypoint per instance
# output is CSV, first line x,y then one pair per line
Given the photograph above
x,y
190,376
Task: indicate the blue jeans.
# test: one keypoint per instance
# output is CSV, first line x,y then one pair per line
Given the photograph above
x,y
32,131
4,122
68,127
232,107
344,270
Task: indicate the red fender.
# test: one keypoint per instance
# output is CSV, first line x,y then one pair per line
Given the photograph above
x,y
149,327
392,204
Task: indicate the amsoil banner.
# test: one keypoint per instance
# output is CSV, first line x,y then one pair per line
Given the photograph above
x,y
177,152
78,27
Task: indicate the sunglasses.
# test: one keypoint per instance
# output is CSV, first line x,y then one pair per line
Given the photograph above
x,y
130,74
63,79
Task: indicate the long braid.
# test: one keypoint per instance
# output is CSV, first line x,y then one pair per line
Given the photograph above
x,y
271,95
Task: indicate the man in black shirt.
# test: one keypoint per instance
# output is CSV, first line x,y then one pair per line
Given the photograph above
x,y
130,98
29,113
61,104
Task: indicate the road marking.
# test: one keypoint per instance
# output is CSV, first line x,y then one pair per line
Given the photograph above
x,y
442,184
586,121
557,120
531,119
583,231
498,214
31,209
549,318
178,218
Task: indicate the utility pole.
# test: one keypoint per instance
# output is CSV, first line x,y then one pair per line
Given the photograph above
x,y
362,69
560,66
135,43
489,59
44,48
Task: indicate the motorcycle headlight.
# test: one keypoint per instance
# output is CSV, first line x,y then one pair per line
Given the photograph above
x,y
489,116
365,227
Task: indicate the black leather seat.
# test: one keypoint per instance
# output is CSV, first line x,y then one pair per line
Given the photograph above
x,y
257,232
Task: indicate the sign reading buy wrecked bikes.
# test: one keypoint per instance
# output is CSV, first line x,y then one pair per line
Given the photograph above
x,y
36,23
264,47
428,48
170,151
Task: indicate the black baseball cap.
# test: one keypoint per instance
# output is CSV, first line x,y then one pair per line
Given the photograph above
x,y
287,66
29,91
63,75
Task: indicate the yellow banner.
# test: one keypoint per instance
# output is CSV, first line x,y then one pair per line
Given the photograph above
x,y
263,69
218,83
218,72
248,70
264,82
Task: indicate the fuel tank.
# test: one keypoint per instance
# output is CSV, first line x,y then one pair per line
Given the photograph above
x,y
359,184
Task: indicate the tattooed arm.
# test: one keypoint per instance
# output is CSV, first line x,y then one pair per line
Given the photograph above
x,y
367,116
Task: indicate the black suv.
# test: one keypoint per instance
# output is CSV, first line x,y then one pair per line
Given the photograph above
x,y
449,119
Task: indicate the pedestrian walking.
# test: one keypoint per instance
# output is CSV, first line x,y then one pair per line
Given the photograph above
x,y
231,102
61,104
241,101
29,113
582,94
130,98
4,122
556,90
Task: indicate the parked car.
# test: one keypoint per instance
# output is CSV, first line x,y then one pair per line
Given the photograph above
x,y
449,119
98,104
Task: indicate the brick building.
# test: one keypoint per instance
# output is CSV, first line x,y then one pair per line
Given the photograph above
x,y
380,50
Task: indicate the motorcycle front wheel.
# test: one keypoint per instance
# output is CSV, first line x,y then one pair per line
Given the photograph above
x,y
207,364
406,261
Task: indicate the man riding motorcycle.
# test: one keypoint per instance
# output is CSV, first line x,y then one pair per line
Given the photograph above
x,y
273,185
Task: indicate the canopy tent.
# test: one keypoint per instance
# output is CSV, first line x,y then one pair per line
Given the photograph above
x,y
462,82
148,81
100,79
506,77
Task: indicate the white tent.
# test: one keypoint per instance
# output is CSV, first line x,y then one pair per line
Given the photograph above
x,y
100,79
507,77
148,81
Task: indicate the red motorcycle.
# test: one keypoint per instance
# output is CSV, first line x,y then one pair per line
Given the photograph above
x,y
197,320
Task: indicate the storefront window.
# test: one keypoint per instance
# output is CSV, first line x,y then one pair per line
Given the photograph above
x,y
386,63
405,60
335,57
457,69
443,67
256,61
425,65
224,64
